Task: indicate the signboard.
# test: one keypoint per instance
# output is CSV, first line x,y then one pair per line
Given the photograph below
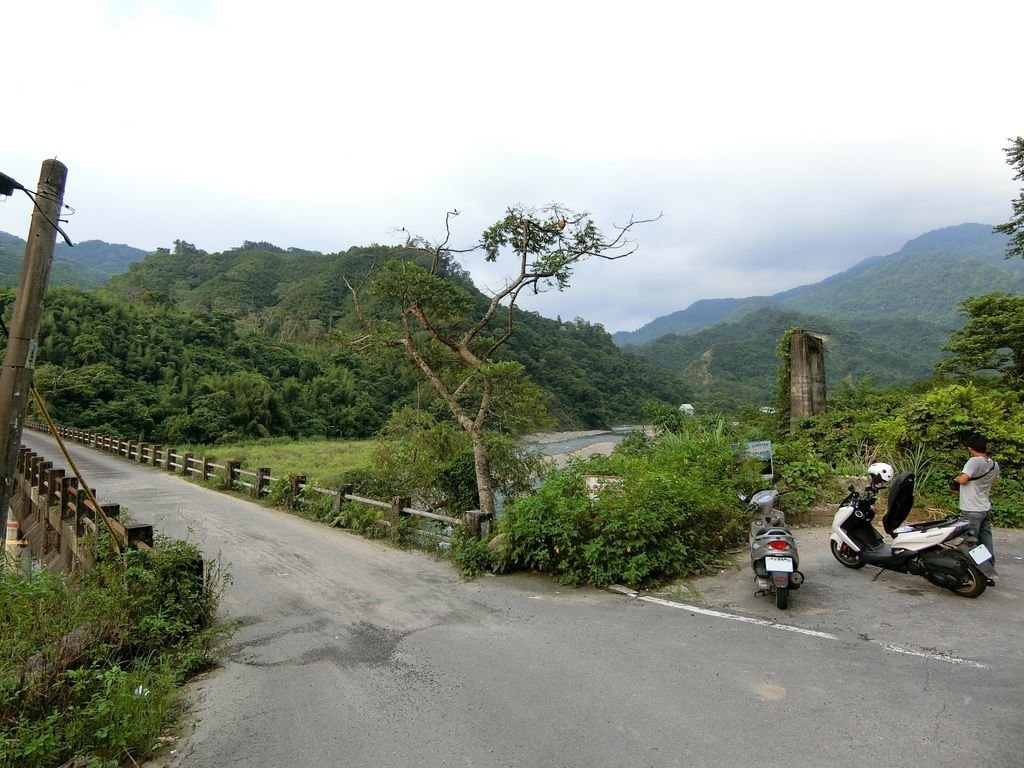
x,y
760,449
597,483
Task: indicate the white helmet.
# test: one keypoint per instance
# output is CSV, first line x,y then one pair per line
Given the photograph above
x,y
881,470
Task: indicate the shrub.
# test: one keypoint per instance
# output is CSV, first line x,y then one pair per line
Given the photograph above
x,y
1008,502
471,556
143,623
673,513
802,472
361,519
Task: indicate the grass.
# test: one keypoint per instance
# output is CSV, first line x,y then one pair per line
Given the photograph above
x,y
91,665
323,462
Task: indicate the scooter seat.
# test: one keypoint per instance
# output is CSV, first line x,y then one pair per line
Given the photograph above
x,y
923,526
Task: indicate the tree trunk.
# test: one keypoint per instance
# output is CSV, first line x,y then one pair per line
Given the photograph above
x,y
482,464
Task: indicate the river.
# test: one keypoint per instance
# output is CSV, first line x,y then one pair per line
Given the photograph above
x,y
580,443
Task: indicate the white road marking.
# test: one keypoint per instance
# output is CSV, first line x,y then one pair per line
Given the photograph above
x,y
934,655
734,617
948,658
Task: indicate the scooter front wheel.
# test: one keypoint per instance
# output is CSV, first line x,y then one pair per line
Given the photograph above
x,y
781,598
845,555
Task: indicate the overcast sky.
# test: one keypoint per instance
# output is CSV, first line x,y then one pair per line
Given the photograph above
x,y
782,142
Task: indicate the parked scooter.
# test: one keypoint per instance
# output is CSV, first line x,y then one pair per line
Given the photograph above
x,y
943,551
773,554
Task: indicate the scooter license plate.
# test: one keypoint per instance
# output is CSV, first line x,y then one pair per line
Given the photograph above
x,y
980,554
784,564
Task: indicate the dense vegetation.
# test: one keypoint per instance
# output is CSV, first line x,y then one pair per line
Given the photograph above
x,y
90,666
151,372
261,358
671,510
733,364
668,509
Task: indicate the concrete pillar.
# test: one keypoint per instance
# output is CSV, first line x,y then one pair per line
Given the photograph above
x,y
806,376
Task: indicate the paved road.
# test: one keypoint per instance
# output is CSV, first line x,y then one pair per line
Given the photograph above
x,y
352,653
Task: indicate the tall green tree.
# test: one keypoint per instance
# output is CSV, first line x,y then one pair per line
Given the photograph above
x,y
991,340
1015,226
429,312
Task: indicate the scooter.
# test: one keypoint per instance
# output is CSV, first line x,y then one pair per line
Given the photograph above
x,y
773,554
942,551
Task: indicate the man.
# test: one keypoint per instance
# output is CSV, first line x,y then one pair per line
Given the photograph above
x,y
976,480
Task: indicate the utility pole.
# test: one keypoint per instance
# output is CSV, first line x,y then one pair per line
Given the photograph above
x,y
20,355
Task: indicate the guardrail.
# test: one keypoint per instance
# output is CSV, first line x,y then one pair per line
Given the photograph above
x,y
59,521
230,475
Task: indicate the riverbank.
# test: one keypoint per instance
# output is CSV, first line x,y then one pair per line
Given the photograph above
x,y
546,438
561,447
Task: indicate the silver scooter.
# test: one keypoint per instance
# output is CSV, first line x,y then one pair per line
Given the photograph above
x,y
773,554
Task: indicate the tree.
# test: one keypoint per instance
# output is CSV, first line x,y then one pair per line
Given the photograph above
x,y
425,307
1015,226
992,339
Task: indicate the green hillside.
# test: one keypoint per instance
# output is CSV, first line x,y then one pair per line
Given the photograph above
x,y
88,264
886,319
735,363
924,280
194,346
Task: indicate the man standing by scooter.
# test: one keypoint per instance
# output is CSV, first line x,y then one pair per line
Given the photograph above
x,y
976,480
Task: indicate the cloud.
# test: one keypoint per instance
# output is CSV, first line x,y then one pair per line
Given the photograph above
x,y
782,143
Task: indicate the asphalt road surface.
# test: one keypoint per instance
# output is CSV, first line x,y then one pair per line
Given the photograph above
x,y
351,653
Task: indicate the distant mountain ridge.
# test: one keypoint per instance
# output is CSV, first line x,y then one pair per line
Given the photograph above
x,y
885,320
927,278
88,264
886,317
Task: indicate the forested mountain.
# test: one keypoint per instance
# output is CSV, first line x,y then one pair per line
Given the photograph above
x,y
192,345
736,363
159,373
189,346
92,262
299,296
885,318
88,264
924,280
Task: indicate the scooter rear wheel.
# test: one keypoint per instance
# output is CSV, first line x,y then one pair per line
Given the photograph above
x,y
846,556
781,598
974,583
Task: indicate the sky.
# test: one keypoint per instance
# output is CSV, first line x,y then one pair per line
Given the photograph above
x,y
778,142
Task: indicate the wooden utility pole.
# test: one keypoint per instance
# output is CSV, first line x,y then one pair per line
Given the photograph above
x,y
20,355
